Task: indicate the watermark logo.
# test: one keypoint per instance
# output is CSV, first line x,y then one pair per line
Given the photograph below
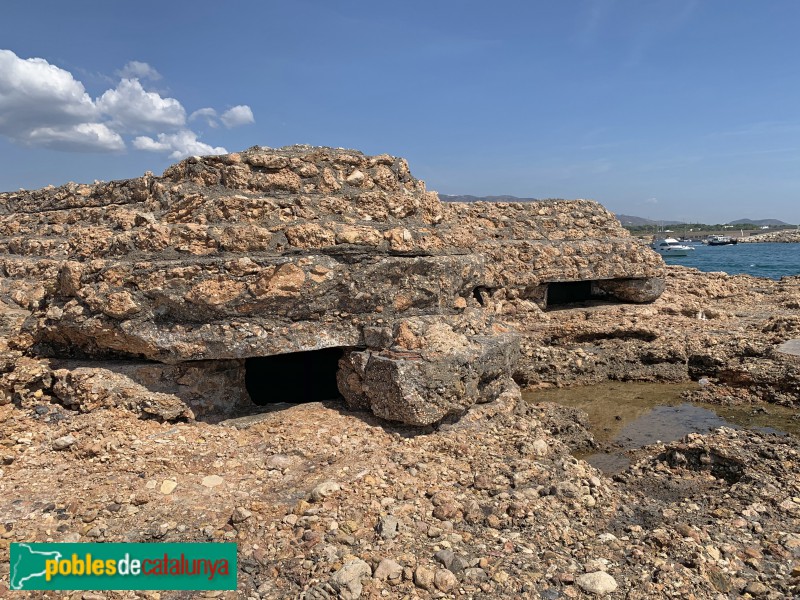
x,y
118,566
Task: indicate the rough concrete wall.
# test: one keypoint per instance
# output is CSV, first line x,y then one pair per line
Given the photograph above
x,y
276,251
529,243
257,253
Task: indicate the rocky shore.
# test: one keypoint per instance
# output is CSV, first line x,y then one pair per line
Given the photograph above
x,y
335,500
328,503
725,329
785,236
325,502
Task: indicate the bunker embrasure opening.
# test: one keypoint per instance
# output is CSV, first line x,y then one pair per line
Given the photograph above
x,y
295,377
561,293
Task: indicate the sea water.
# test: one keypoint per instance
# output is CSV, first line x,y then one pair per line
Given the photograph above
x,y
759,259
624,416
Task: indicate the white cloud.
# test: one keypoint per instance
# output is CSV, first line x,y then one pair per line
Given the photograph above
x,y
139,70
84,137
43,105
133,109
181,144
238,115
233,117
34,93
209,114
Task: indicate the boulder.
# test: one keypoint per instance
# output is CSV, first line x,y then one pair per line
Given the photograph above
x,y
431,371
634,290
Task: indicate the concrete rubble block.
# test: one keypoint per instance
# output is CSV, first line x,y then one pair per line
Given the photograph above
x,y
446,373
639,290
87,389
208,390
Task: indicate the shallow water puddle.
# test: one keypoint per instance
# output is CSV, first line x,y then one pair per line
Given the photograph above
x,y
626,416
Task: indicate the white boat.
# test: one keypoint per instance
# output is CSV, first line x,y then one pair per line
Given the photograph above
x,y
670,247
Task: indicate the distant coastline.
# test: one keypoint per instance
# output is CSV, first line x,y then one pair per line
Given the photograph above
x,y
632,221
786,236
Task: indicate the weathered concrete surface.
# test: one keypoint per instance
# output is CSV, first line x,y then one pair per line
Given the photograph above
x,y
634,290
528,244
727,329
228,257
276,251
495,497
204,390
791,347
249,306
439,370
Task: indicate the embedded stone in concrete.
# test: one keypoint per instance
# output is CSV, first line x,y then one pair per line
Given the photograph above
x,y
634,290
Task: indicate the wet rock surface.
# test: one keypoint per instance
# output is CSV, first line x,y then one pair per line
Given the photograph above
x,y
724,330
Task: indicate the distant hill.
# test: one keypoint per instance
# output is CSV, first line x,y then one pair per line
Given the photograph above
x,y
628,220
631,220
759,222
467,198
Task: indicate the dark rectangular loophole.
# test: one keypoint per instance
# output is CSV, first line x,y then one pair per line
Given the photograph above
x,y
294,377
560,293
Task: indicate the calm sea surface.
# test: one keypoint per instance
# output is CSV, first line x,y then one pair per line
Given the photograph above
x,y
761,260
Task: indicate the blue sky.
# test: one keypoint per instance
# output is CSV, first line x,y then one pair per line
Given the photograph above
x,y
672,109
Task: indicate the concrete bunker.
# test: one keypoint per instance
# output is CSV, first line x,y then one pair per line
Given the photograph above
x,y
221,269
294,377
